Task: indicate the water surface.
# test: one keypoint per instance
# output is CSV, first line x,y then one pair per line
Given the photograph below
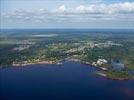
x,y
70,81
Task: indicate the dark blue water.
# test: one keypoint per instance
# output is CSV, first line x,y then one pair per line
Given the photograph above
x,y
70,81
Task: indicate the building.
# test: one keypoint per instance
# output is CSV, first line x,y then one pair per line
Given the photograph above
x,y
117,65
101,61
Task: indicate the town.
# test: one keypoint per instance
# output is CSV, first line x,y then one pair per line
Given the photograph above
x,y
114,57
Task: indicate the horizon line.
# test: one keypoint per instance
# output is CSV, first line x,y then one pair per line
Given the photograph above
x,y
59,28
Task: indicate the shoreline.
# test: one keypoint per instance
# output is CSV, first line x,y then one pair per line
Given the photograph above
x,y
100,73
26,64
118,78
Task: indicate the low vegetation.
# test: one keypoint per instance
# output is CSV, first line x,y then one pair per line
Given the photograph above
x,y
88,47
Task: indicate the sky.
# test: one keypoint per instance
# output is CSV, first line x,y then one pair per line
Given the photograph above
x,y
66,14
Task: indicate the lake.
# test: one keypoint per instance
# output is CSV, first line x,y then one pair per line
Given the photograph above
x,y
69,81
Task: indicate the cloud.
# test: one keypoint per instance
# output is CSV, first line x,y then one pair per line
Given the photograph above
x,y
61,9
81,13
116,8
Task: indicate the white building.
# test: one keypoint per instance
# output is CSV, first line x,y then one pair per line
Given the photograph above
x,y
101,61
